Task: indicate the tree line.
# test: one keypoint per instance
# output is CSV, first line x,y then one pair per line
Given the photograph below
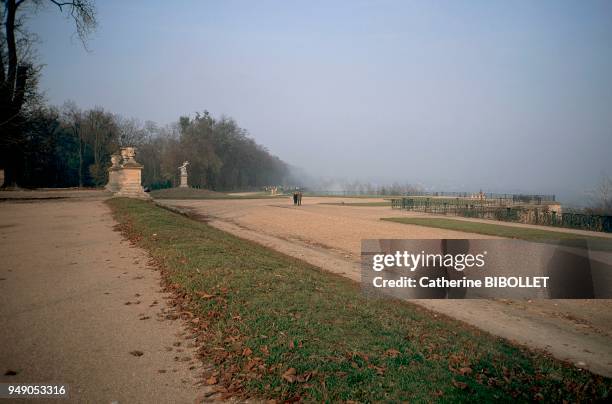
x,y
43,146
69,147
23,118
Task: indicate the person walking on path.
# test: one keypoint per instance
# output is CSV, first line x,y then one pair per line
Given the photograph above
x,y
295,198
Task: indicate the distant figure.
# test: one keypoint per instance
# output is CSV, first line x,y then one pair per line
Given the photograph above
x,y
299,198
295,198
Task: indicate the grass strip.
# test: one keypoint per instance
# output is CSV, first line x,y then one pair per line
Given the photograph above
x,y
385,203
278,328
194,193
340,195
500,230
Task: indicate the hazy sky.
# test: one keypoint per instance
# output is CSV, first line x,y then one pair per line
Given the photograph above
x,y
455,95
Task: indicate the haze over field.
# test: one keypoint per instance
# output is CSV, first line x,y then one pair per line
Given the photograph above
x,y
499,96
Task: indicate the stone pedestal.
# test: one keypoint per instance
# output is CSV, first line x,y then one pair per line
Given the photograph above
x,y
130,182
183,172
184,182
126,178
114,179
114,174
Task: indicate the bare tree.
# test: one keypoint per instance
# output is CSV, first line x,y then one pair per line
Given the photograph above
x,y
101,132
73,118
601,198
131,132
18,72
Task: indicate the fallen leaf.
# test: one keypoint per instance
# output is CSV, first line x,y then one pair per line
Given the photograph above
x,y
459,385
465,371
289,375
363,356
212,380
250,365
247,352
392,353
204,295
304,377
137,353
581,364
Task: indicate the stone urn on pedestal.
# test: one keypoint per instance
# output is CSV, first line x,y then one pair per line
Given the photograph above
x,y
114,173
130,176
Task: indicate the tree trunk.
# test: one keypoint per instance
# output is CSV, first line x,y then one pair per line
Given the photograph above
x,y
12,91
10,170
80,162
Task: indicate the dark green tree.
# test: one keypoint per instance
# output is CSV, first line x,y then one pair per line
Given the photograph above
x,y
19,72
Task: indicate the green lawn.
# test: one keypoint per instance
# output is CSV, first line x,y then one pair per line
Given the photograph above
x,y
500,230
278,328
382,203
194,193
352,196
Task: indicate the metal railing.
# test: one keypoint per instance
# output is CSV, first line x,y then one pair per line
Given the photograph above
x,y
514,198
494,209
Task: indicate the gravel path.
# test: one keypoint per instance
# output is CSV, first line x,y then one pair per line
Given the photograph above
x,y
79,305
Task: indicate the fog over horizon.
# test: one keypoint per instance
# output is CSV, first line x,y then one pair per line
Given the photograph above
x,y
452,96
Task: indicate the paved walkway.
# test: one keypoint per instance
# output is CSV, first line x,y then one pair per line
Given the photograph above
x,y
76,300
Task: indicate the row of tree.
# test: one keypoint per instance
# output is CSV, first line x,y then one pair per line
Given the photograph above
x,y
42,146
222,156
65,147
23,121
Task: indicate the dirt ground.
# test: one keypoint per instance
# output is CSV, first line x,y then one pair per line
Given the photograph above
x,y
79,305
329,236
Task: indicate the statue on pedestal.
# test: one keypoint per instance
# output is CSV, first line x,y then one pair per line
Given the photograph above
x,y
183,170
